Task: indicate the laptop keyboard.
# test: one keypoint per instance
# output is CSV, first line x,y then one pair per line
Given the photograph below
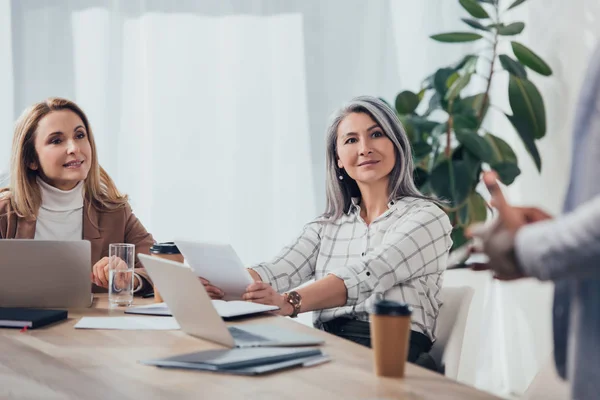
x,y
244,336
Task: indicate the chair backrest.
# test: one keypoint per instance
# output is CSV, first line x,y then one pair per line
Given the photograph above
x,y
450,328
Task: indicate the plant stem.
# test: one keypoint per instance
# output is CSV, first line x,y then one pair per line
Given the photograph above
x,y
448,136
480,113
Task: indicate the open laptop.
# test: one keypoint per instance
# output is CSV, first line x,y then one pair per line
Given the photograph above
x,y
192,308
45,273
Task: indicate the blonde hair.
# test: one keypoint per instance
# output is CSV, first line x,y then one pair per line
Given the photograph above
x,y
23,190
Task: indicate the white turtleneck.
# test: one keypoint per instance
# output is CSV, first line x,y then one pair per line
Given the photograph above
x,y
61,214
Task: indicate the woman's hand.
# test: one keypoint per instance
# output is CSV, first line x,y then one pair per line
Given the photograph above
x,y
214,292
263,293
255,276
100,273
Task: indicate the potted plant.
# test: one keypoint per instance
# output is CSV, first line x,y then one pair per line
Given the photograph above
x,y
450,145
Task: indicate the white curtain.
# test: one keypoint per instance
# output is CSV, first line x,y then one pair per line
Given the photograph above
x,y
211,116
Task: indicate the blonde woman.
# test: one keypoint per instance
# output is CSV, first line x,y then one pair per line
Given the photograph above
x,y
378,238
59,191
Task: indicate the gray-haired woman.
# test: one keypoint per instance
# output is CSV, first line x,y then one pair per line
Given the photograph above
x,y
378,238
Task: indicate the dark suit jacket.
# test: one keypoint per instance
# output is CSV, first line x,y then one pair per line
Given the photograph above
x,y
101,228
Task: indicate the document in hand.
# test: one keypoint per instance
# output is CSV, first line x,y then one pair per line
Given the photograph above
x,y
249,361
219,264
226,309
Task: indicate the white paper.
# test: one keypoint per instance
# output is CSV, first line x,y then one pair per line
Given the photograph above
x,y
128,323
226,309
219,264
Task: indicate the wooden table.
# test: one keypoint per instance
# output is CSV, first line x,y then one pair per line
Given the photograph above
x,y
59,362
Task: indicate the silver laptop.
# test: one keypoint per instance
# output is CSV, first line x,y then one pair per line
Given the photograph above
x,y
192,308
45,274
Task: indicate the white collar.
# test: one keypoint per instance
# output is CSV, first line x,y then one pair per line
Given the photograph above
x,y
356,204
54,199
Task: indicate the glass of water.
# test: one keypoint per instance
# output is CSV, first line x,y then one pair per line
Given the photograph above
x,y
121,261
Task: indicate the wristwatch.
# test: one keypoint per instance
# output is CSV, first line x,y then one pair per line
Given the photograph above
x,y
295,300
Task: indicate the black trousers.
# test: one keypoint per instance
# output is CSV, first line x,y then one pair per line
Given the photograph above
x,y
359,332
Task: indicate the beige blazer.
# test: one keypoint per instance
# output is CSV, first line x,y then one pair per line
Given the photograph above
x,y
101,228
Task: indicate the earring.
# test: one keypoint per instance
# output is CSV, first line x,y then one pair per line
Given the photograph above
x,y
341,177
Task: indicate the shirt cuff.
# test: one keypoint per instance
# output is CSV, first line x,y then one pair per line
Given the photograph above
x,y
529,250
141,282
356,278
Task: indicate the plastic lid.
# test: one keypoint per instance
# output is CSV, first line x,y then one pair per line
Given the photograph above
x,y
164,248
387,307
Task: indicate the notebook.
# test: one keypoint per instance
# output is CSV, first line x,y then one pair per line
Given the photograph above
x,y
247,361
226,309
30,318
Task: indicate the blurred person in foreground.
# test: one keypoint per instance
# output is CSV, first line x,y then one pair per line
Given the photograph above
x,y
527,242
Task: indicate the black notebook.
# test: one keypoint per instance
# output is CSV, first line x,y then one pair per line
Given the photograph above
x,y
30,318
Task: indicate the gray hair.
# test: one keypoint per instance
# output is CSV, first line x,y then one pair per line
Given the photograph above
x,y
341,192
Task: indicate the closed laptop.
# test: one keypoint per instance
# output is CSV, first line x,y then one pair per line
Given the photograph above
x,y
45,273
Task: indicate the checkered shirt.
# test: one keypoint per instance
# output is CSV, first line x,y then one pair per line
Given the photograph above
x,y
400,256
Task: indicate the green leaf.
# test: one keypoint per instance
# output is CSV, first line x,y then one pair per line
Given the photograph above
x,y
512,66
516,3
474,8
501,151
473,164
475,144
423,125
406,102
450,180
434,104
458,85
421,149
475,210
471,65
420,177
468,62
426,189
440,78
478,208
527,105
464,121
507,172
511,29
408,127
451,79
473,23
439,130
458,237
530,59
456,37
528,140
470,105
